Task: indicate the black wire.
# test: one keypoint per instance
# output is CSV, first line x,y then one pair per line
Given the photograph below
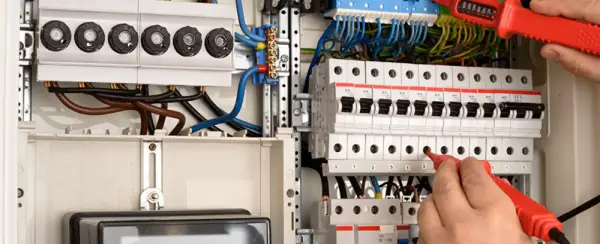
x,y
356,186
341,187
579,209
95,91
181,98
388,189
219,112
151,125
149,99
194,111
557,236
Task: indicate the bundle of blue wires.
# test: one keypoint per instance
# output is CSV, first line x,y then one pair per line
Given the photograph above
x,y
236,108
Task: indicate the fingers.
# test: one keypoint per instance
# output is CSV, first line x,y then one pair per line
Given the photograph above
x,y
574,61
430,223
428,216
480,189
448,195
575,9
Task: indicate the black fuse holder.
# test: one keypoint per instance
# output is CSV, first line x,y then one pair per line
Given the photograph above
x,y
187,41
156,40
89,37
123,38
402,107
437,108
55,35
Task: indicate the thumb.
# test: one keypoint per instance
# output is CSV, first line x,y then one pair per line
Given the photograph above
x,y
574,61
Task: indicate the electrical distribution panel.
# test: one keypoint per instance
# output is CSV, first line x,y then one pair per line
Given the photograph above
x,y
135,42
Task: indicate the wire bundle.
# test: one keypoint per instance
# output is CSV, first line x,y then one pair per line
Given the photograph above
x,y
120,98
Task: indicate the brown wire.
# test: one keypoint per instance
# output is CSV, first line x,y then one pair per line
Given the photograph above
x,y
160,124
129,106
167,113
86,110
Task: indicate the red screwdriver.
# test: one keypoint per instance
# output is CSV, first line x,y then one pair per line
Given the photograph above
x,y
535,219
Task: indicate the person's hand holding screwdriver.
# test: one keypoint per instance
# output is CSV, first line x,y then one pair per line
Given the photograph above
x,y
574,61
468,208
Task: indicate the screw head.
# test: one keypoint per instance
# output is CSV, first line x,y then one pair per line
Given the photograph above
x,y
285,58
154,196
297,112
152,147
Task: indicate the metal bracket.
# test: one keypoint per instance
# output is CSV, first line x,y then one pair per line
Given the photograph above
x,y
301,112
304,236
152,197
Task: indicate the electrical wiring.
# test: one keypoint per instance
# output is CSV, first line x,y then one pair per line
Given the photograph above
x,y
376,187
66,90
238,103
149,118
144,119
315,59
242,22
160,123
165,112
245,40
150,99
194,111
237,124
579,209
341,187
180,98
388,189
356,187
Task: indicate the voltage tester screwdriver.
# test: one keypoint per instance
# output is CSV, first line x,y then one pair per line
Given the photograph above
x,y
536,220
510,18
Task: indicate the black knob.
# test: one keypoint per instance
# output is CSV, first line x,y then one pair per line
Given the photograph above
x,y
187,41
123,38
156,40
55,35
89,37
219,43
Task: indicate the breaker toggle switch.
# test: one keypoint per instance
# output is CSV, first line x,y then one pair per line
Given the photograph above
x,y
384,106
437,108
488,110
472,109
366,105
347,104
454,108
521,109
420,107
403,106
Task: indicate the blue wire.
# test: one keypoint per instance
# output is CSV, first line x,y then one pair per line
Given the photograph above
x,y
236,108
315,59
355,39
243,123
412,34
403,31
397,36
337,25
379,46
242,22
375,184
345,20
245,40
424,33
378,35
214,2
350,32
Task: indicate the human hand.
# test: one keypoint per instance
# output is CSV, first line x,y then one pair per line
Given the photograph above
x,y
574,61
469,208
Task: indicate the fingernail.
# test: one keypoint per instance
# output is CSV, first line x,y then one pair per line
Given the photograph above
x,y
550,53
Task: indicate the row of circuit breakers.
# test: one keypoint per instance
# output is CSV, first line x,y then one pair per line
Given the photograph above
x,y
123,38
368,106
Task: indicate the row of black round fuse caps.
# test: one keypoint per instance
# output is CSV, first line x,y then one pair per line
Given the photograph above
x,y
123,38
